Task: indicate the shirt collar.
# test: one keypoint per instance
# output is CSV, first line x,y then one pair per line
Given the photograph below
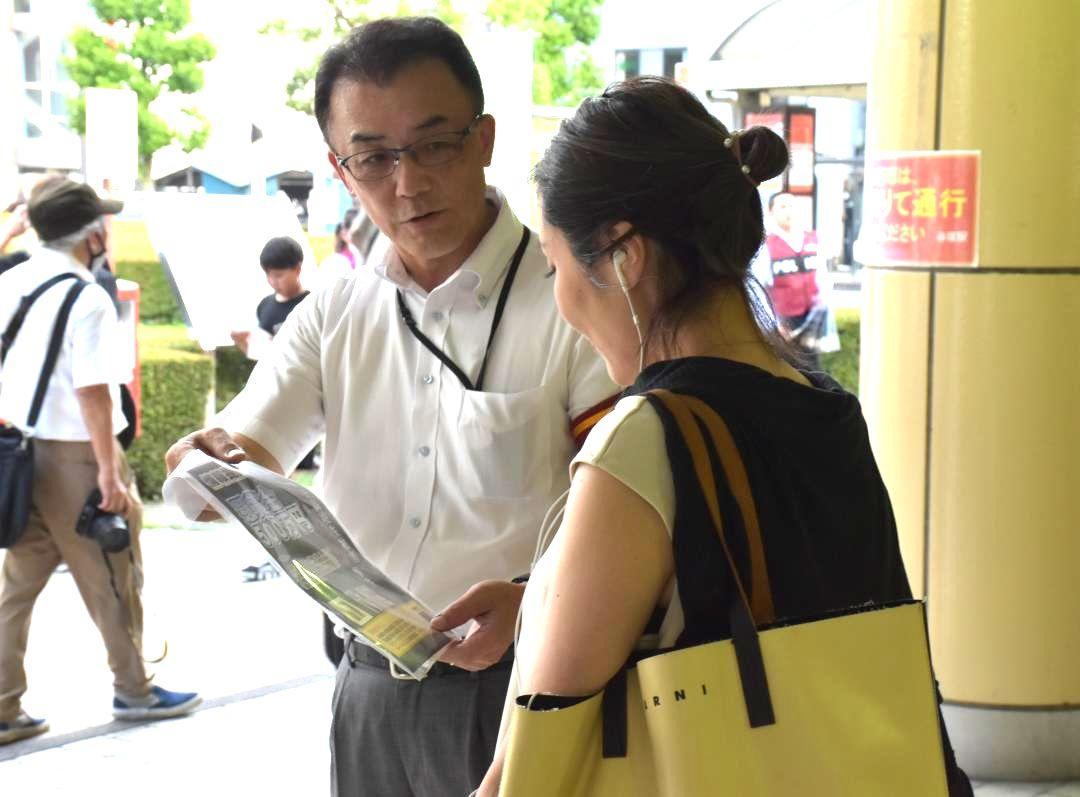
x,y
481,270
60,262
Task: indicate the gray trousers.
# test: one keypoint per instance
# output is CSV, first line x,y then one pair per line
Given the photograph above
x,y
396,738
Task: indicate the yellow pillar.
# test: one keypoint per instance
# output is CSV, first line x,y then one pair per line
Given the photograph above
x,y
971,377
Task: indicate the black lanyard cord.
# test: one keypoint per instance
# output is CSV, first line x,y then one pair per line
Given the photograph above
x,y
504,294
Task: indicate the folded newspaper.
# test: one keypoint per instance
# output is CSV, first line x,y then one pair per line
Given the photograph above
x,y
307,543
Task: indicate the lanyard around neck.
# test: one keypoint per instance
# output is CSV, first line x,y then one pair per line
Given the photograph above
x,y
445,358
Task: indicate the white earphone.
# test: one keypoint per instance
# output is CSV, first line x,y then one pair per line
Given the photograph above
x,y
617,259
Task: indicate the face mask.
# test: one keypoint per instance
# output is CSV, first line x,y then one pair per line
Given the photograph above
x,y
98,260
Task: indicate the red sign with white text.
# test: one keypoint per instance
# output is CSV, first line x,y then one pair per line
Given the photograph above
x,y
920,209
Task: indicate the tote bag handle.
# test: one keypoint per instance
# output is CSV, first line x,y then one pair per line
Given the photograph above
x,y
746,606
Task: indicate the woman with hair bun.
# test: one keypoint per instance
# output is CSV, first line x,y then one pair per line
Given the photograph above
x,y
650,220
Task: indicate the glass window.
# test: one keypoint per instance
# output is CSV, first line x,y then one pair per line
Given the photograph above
x,y
628,63
672,56
32,60
22,6
32,130
59,104
34,95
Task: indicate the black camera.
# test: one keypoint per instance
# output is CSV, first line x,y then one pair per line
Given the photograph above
x,y
106,529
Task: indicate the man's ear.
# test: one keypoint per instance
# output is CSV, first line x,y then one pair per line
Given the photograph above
x,y
330,156
485,128
100,244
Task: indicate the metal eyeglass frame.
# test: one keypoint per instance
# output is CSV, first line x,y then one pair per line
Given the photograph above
x,y
398,152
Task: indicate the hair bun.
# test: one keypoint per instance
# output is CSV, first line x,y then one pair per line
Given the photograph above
x,y
764,152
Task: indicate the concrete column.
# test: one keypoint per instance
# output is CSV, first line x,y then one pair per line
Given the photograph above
x,y
971,377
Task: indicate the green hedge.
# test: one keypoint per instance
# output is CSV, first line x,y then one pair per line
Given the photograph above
x,y
844,364
230,375
157,305
176,380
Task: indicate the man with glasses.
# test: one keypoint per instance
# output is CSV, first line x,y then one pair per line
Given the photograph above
x,y
451,393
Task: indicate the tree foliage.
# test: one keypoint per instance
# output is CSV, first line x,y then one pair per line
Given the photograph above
x,y
343,16
563,72
140,45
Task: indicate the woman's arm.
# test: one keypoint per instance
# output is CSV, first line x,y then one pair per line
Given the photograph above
x,y
611,561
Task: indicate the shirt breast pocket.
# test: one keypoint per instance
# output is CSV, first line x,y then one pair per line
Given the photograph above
x,y
507,443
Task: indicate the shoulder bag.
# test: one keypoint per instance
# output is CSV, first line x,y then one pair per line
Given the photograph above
x,y
17,446
836,706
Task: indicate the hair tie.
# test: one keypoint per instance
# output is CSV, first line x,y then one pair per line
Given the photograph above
x,y
732,143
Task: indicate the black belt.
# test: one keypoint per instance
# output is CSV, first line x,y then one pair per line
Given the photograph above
x,y
358,653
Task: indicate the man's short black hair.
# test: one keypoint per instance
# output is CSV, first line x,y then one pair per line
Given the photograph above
x,y
281,252
378,51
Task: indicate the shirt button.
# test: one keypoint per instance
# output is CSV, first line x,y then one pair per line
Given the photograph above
x,y
437,315
428,379
414,522
424,451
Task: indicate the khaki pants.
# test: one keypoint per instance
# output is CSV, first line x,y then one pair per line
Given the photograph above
x,y
64,475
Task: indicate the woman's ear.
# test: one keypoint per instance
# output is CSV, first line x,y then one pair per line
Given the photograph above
x,y
632,254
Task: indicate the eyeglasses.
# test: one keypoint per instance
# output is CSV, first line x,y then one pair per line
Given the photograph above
x,y
375,164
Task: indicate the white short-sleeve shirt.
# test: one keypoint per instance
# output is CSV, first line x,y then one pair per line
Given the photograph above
x,y
90,354
439,486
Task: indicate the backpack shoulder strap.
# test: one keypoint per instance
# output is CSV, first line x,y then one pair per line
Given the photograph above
x,y
25,303
55,342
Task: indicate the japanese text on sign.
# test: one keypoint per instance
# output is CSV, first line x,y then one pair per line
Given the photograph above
x,y
919,208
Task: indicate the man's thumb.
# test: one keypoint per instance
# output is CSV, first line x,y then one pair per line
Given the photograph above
x,y
457,613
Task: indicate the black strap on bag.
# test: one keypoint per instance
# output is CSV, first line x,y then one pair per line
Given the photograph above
x,y
694,435
699,432
445,358
25,304
53,353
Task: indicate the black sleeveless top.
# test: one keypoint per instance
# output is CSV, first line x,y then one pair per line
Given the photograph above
x,y
827,526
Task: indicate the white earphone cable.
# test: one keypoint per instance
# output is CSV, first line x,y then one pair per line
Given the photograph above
x,y
617,258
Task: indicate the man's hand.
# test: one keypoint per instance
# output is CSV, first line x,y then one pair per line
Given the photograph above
x,y
220,445
494,607
17,224
114,496
241,339
216,442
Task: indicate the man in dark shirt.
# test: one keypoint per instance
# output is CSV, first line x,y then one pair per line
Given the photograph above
x,y
281,259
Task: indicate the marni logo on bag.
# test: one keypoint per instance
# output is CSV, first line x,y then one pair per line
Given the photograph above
x,y
677,696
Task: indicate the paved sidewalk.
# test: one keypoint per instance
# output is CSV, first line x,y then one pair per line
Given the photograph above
x,y
254,651
272,742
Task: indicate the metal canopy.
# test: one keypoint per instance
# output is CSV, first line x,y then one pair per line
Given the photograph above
x,y
818,47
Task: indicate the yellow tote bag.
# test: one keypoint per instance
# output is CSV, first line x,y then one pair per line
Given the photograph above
x,y
843,706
